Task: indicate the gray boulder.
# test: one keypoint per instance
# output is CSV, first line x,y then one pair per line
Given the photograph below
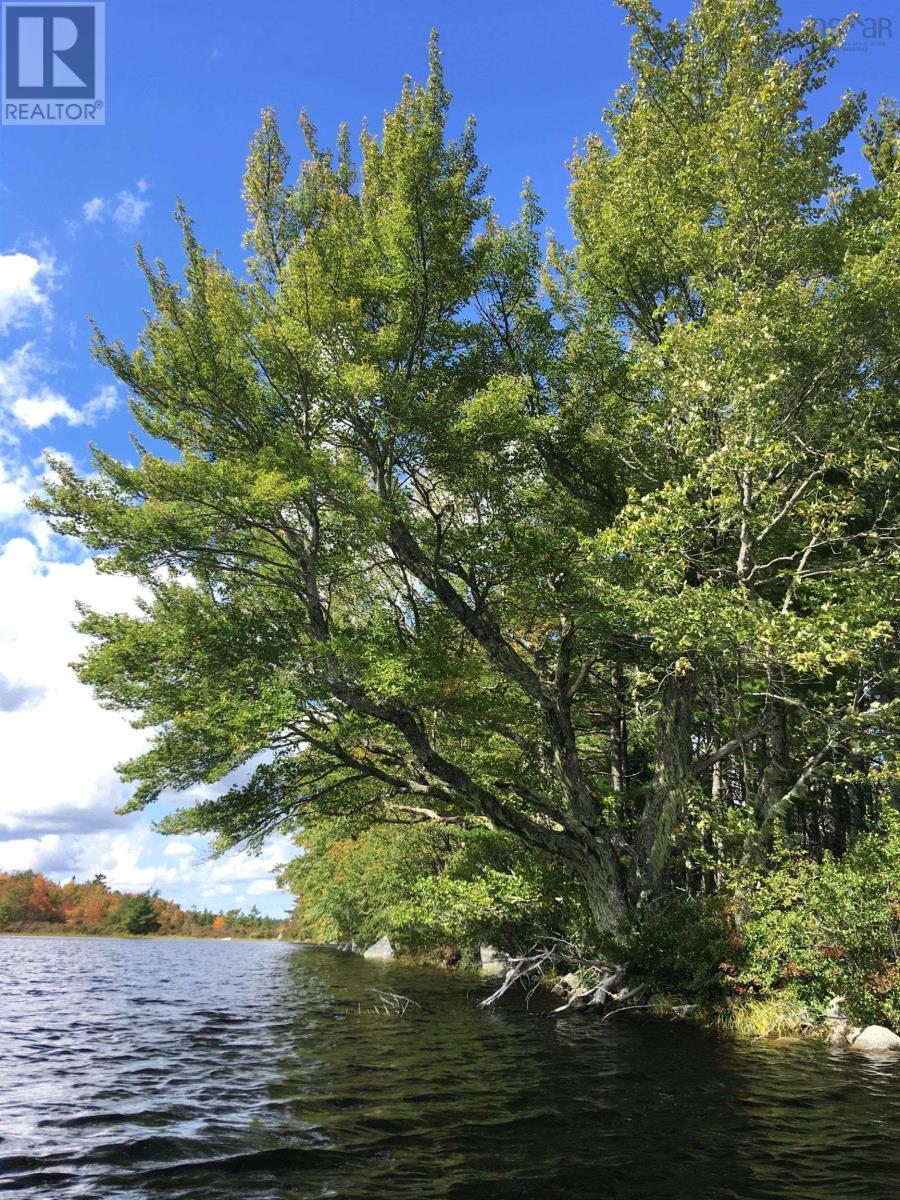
x,y
381,949
876,1037
493,961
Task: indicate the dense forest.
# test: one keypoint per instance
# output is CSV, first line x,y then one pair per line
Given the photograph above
x,y
29,902
549,588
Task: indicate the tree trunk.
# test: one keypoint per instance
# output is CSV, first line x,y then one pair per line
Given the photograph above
x,y
618,734
605,896
671,767
776,776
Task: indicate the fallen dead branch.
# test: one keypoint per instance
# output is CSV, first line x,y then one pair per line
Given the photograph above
x,y
529,967
601,980
595,995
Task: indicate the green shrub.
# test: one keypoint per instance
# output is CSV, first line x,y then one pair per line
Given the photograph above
x,y
678,945
425,886
829,928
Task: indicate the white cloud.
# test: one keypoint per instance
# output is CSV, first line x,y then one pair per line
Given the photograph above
x,y
241,865
17,482
57,752
259,887
129,210
24,286
179,849
58,747
126,209
41,408
119,856
129,857
92,210
221,889
100,405
31,854
28,398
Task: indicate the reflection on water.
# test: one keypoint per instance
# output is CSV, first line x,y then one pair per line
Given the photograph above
x,y
253,1069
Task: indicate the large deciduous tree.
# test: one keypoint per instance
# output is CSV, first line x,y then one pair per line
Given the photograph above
x,y
597,550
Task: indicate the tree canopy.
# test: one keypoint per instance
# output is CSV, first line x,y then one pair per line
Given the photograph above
x,y
596,547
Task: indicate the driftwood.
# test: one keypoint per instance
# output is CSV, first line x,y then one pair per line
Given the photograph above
x,y
602,980
597,995
527,969
622,1004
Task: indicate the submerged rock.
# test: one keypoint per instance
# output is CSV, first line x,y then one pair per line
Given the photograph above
x,y
493,961
876,1037
380,949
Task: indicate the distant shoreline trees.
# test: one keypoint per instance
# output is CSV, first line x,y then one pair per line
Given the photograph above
x,y
31,901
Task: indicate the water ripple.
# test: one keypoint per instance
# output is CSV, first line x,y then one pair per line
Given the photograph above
x,y
133,1070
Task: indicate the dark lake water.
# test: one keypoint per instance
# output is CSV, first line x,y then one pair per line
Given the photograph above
x,y
207,1069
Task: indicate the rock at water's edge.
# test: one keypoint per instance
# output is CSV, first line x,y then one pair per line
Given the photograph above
x,y
381,949
490,954
493,962
876,1037
841,1032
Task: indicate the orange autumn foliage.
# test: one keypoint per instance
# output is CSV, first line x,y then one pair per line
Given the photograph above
x,y
31,901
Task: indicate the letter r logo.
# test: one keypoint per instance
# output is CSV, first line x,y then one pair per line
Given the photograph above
x,y
49,51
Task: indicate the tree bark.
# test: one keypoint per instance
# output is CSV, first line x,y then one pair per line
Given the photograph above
x,y
671,772
604,894
618,734
776,777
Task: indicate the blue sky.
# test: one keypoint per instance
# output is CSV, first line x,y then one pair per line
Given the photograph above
x,y
185,85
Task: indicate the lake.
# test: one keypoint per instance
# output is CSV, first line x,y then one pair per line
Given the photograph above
x,y
210,1069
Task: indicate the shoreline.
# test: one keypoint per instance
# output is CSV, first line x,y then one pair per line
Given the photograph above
x,y
772,1020
131,937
